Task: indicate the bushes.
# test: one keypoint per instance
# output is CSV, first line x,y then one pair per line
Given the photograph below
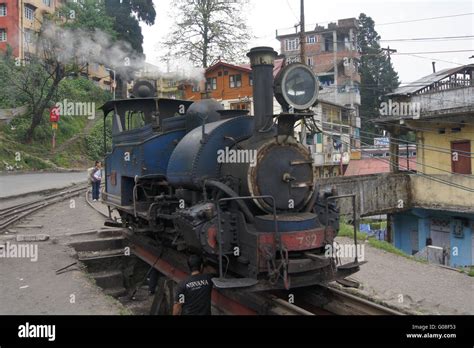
x,y
95,140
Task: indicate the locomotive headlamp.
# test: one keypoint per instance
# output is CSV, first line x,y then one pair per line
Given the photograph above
x,y
296,86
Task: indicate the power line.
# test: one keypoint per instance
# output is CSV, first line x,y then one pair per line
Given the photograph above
x,y
292,11
400,141
390,23
421,164
458,186
424,165
419,129
439,38
427,19
431,52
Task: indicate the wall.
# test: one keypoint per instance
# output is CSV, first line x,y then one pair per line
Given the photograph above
x,y
427,193
435,157
441,100
420,220
10,23
377,194
403,225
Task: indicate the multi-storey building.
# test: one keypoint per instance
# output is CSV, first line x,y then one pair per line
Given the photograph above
x,y
332,54
20,20
439,109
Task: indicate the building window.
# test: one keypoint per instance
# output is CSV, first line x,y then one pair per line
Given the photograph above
x,y
28,35
310,61
240,106
294,59
29,12
3,10
196,88
292,44
3,35
250,80
47,2
312,39
235,81
211,84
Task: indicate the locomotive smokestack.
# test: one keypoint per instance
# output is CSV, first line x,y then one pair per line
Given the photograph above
x,y
262,60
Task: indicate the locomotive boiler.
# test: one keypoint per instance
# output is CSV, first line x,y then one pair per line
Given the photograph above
x,y
239,190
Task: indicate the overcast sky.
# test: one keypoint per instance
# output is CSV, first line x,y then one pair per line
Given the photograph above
x,y
266,16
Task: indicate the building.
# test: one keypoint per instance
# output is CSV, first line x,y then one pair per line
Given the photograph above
x,y
331,52
20,20
439,109
165,84
329,140
229,84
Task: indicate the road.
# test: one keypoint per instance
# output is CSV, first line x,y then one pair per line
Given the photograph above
x,y
18,184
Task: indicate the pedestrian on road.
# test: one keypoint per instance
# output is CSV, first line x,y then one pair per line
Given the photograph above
x,y
193,295
96,178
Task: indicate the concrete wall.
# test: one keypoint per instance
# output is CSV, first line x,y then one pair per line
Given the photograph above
x,y
427,193
441,100
376,194
419,221
6,115
404,225
432,158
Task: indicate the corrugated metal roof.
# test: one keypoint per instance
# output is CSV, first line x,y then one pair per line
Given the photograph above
x,y
425,81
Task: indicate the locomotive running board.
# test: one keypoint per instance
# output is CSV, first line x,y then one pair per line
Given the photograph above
x,y
350,266
232,283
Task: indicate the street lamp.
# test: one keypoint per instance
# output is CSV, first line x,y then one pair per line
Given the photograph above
x,y
115,81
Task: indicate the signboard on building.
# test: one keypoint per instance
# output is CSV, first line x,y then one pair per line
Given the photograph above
x,y
382,141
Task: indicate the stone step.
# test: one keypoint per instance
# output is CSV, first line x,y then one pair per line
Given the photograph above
x,y
108,279
116,292
99,244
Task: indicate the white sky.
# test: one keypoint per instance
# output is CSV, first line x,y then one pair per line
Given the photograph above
x,y
266,16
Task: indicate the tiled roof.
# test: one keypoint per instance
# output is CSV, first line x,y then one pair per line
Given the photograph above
x,y
367,166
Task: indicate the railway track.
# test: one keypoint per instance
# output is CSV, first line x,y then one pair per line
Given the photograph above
x,y
12,214
319,300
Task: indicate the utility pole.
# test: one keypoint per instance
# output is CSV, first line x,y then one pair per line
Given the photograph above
x,y
302,35
389,51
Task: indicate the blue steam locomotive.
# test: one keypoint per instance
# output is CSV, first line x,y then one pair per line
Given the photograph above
x,y
239,190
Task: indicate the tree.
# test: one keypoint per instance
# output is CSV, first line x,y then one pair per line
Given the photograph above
x,y
378,77
128,14
53,55
208,29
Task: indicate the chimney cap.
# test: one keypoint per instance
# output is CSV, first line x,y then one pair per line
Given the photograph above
x,y
262,55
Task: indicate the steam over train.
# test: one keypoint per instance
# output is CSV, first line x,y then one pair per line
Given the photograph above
x,y
239,190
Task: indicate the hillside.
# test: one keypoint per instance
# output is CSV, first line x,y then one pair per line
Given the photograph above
x,y
78,138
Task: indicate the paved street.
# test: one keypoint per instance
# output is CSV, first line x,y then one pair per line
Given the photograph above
x,y
18,184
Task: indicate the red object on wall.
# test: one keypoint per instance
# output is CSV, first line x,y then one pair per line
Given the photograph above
x,y
54,114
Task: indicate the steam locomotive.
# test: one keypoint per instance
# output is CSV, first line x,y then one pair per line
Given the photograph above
x,y
237,189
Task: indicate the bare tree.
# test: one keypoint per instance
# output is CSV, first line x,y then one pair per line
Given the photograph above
x,y
208,29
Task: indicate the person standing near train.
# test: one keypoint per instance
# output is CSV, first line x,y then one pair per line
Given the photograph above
x,y
96,179
193,295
